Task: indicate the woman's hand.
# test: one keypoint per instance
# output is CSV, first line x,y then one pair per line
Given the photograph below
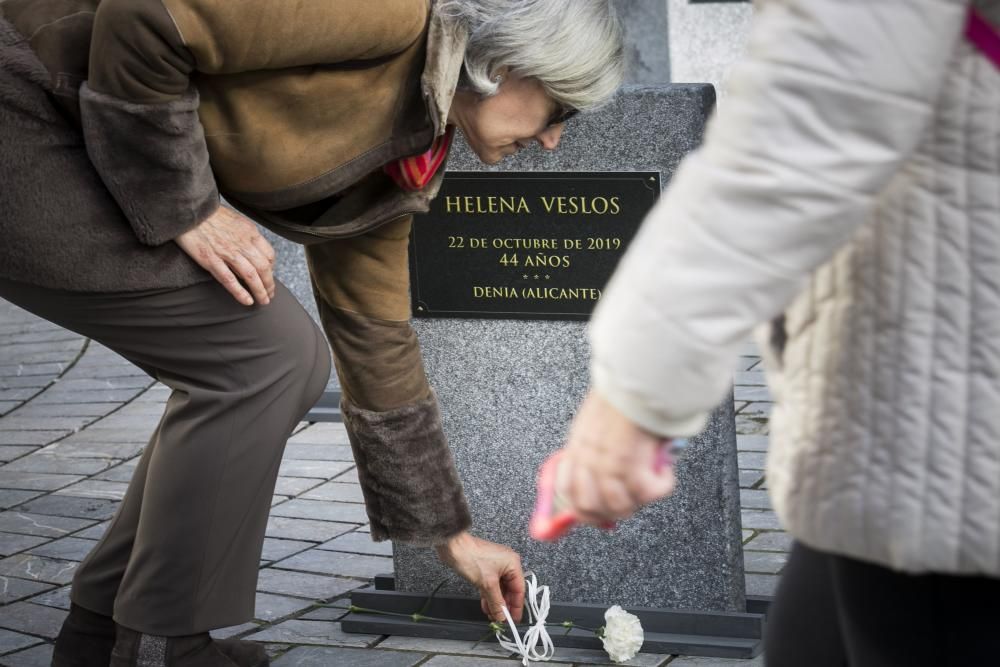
x,y
492,568
610,467
228,246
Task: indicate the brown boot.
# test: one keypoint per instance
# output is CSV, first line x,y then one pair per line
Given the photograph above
x,y
87,638
135,649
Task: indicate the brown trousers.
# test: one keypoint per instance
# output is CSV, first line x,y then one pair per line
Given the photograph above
x,y
182,553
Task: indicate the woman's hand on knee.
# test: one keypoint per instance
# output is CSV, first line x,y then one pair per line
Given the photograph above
x,y
230,247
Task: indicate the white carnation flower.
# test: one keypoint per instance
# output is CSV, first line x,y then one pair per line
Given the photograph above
x,y
621,635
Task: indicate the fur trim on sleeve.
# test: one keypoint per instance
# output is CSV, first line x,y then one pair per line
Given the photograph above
x,y
411,488
154,161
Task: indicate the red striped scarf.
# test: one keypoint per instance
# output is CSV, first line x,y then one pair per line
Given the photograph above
x,y
414,172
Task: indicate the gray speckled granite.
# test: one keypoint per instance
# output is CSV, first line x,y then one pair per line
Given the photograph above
x,y
509,388
647,56
706,39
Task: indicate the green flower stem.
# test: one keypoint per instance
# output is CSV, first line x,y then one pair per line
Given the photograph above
x,y
417,618
495,626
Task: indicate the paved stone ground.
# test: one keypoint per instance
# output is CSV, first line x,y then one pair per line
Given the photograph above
x,y
74,418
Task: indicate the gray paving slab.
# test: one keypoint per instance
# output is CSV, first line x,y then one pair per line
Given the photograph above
x,y
57,597
46,410
232,631
66,548
322,633
303,585
752,393
60,395
349,477
321,434
46,461
321,510
308,530
337,563
276,549
120,473
325,452
270,607
760,520
358,543
751,478
11,543
752,443
94,532
9,453
326,656
754,499
467,661
96,489
118,451
746,425
13,589
38,568
26,438
581,656
452,646
771,541
32,619
22,369
716,662
295,486
97,509
752,460
764,562
15,641
324,614
13,497
26,523
24,382
36,656
311,468
758,409
16,423
761,584
347,493
36,481
18,395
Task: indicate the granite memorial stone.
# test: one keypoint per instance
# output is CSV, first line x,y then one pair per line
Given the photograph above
x,y
706,38
508,387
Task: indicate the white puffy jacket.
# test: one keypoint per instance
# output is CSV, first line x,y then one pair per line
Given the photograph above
x,y
851,180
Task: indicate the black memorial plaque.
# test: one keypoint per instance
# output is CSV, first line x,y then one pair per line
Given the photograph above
x,y
525,245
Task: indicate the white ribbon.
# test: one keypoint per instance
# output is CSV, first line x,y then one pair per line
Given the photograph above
x,y
538,612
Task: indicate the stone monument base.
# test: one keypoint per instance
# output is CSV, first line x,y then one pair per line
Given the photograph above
x,y
675,632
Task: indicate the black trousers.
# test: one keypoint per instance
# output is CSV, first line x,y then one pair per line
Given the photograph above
x,y
832,611
182,553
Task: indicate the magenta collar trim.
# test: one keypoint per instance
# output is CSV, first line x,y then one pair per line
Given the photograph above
x,y
984,36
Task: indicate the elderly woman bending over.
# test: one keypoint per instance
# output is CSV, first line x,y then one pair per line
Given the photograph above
x,y
121,122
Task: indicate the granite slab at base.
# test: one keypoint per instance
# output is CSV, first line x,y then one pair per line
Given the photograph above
x,y
508,390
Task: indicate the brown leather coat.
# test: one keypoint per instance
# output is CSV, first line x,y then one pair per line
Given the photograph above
x,y
385,73
289,109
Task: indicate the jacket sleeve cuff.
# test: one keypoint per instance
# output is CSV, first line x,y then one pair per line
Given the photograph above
x,y
153,160
646,414
412,491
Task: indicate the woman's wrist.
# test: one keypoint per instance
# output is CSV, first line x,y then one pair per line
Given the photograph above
x,y
454,544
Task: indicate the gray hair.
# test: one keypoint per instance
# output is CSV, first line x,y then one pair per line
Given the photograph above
x,y
573,47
